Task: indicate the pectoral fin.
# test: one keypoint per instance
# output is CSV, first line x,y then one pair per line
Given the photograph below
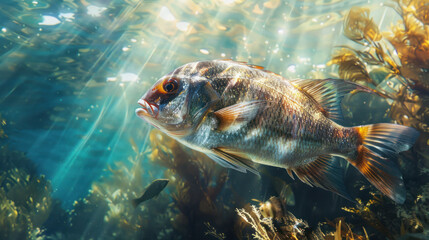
x,y
238,113
325,173
232,159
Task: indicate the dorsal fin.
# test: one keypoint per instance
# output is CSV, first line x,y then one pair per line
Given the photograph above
x,y
255,66
328,93
323,172
251,65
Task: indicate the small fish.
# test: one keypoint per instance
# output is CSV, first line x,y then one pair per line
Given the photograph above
x,y
287,194
240,114
282,189
274,208
151,191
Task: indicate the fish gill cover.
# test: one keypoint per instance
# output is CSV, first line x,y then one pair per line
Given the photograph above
x,y
73,155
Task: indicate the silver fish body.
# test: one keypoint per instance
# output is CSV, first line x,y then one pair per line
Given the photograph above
x,y
241,114
286,131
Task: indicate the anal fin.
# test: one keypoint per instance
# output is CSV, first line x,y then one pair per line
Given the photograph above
x,y
324,172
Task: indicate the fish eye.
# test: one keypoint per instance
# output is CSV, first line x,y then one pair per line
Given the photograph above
x,y
170,85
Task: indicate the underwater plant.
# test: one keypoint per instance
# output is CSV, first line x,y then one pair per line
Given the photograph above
x,y
372,218
392,221
271,221
211,231
25,204
25,198
190,208
394,64
109,205
344,231
2,123
196,183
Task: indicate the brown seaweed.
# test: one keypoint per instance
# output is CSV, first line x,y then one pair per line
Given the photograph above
x,y
364,211
344,231
397,62
404,54
2,124
25,198
358,26
197,182
109,205
350,67
281,226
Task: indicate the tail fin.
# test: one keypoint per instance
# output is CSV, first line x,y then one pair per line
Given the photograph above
x,y
377,154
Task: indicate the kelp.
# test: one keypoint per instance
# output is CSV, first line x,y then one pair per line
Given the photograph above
x,y
403,54
283,225
344,231
25,204
410,38
27,210
211,231
370,217
359,27
272,221
25,198
107,212
197,183
2,124
351,67
190,207
395,221
287,227
411,109
395,65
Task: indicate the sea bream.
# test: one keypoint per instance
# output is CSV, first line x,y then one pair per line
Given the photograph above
x,y
239,114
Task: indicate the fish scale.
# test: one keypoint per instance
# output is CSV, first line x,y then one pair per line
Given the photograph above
x,y
284,119
240,114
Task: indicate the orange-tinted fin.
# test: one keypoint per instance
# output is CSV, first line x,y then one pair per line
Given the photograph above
x,y
232,160
289,172
255,66
238,113
324,172
328,93
376,156
251,65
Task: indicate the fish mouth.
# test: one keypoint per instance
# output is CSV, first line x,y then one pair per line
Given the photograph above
x,y
147,109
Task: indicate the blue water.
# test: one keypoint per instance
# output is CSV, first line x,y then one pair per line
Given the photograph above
x,y
72,71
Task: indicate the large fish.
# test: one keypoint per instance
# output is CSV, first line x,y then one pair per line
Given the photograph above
x,y
240,114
